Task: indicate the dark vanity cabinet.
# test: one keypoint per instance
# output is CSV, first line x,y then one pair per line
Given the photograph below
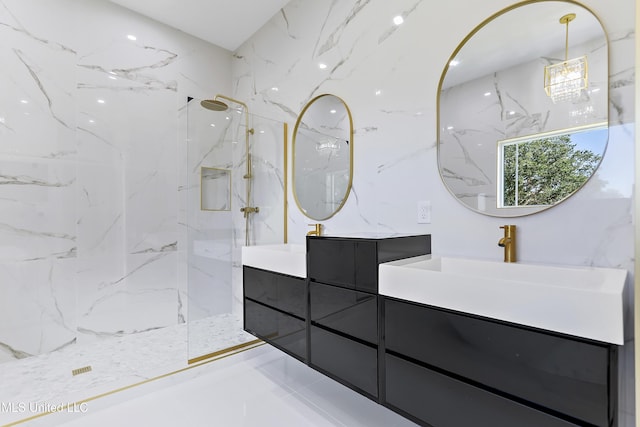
x,y
444,368
343,304
275,309
435,366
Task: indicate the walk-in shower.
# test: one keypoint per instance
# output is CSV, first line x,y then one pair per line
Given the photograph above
x,y
235,163
216,105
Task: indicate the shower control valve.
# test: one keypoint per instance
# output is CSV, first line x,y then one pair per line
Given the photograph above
x,y
249,210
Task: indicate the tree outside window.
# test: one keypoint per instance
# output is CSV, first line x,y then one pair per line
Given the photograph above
x,y
541,171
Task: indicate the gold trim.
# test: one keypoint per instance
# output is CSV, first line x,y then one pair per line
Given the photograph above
x,y
219,352
293,156
444,73
202,168
89,399
285,131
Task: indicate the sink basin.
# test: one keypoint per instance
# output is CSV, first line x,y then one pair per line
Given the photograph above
x,y
581,301
285,258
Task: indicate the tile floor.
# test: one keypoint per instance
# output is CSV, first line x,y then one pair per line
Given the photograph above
x,y
260,386
116,362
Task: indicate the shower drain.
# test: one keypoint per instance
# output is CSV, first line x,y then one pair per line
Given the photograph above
x,y
82,370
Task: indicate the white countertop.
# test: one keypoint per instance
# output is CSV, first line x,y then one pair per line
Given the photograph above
x,y
581,301
285,258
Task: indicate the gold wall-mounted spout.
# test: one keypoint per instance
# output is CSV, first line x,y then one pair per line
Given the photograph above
x,y
317,231
508,242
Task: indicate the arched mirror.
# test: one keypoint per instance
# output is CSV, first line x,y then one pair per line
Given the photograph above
x,y
523,108
322,157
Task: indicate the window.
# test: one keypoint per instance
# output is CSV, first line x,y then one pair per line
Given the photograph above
x,y
543,169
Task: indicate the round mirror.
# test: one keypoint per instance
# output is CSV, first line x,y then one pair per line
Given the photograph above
x,y
523,108
322,157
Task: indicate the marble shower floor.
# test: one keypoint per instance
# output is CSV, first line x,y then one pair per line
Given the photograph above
x,y
116,362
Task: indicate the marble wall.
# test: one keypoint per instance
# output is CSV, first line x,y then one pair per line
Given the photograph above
x,y
92,158
389,75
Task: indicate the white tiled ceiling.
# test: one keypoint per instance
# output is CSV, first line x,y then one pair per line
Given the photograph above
x,y
225,23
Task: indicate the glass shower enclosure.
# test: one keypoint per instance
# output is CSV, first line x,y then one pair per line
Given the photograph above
x,y
234,196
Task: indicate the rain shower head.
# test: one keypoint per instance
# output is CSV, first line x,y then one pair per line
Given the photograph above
x,y
214,105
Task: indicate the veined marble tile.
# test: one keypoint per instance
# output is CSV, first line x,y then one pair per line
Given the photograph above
x,y
112,306
37,82
150,213
146,140
38,307
268,184
101,209
209,279
36,209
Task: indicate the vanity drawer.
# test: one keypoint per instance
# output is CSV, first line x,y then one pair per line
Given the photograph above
x,y
286,293
441,401
567,375
350,312
283,331
331,261
347,361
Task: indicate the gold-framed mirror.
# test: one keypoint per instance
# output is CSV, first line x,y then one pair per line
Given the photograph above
x,y
322,157
513,137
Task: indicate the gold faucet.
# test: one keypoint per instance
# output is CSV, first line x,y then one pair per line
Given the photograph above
x,y
316,231
508,242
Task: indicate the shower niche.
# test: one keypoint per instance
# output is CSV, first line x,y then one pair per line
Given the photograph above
x,y
215,189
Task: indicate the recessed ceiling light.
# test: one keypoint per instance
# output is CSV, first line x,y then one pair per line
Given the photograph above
x,y
454,62
511,113
322,65
261,131
332,111
91,121
113,78
132,37
487,94
100,101
212,125
378,92
398,20
275,89
24,101
449,127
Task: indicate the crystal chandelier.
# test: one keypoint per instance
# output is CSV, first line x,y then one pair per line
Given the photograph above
x,y
565,80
